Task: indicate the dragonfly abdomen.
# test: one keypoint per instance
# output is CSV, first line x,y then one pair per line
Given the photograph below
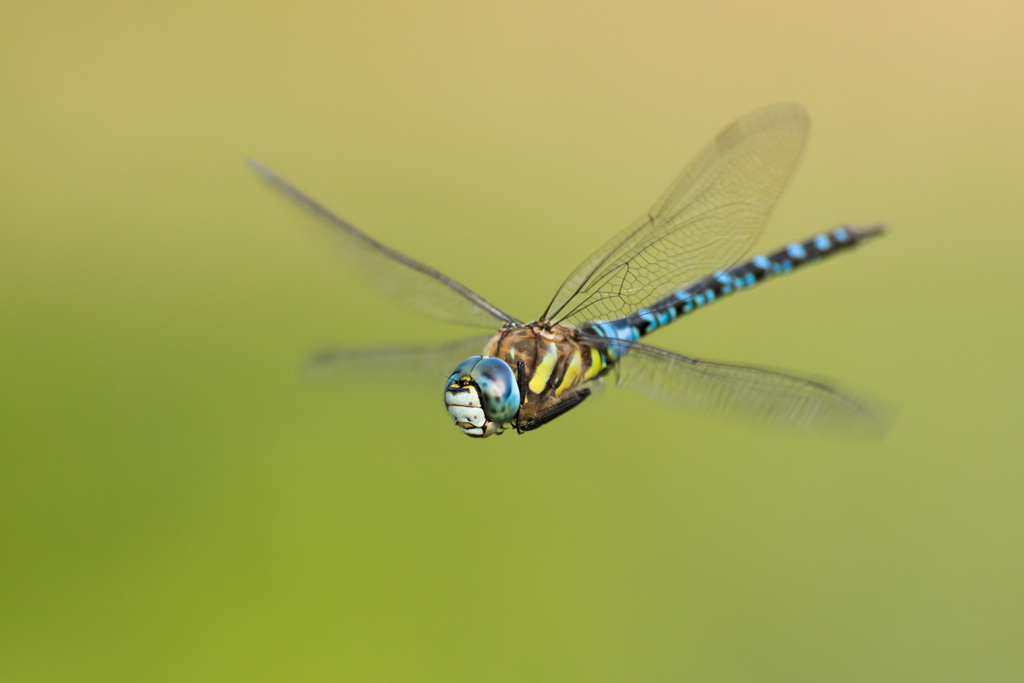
x,y
745,275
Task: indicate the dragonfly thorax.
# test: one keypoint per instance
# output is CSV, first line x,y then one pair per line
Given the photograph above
x,y
482,396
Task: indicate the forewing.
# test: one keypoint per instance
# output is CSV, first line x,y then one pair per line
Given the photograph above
x,y
402,278
706,220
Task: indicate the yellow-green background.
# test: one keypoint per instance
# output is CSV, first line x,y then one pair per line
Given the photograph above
x,y
177,503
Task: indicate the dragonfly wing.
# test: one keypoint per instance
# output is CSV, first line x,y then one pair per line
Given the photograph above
x,y
706,220
755,394
417,367
401,277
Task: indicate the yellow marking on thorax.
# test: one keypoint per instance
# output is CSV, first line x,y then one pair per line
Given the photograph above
x,y
543,373
596,364
571,373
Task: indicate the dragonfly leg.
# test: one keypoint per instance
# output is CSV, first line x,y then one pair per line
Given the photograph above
x,y
524,387
567,402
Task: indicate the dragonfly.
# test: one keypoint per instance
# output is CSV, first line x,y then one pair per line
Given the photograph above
x,y
685,253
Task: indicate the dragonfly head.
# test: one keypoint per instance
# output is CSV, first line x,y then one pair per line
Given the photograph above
x,y
482,396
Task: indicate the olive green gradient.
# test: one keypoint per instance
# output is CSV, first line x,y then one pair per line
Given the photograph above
x,y
178,503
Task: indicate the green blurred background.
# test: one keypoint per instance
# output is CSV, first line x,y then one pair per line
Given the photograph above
x,y
178,503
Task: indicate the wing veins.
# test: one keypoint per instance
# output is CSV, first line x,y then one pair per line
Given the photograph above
x,y
371,245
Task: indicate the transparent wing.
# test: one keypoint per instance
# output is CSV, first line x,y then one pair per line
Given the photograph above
x,y
404,279
755,394
423,368
706,220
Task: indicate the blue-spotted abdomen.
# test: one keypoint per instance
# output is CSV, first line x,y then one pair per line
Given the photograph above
x,y
482,395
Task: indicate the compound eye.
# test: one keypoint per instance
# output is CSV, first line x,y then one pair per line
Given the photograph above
x,y
499,391
463,369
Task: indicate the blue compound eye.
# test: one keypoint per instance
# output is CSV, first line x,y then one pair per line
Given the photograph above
x,y
463,369
499,392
